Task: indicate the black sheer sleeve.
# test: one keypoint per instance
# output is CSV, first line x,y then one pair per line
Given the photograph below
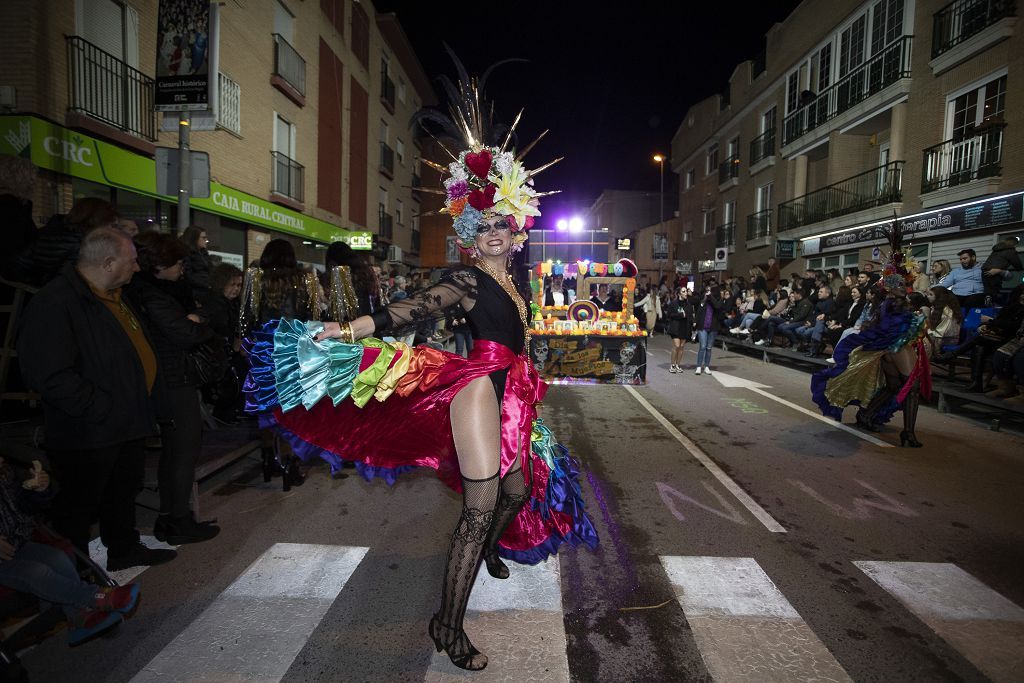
x,y
456,287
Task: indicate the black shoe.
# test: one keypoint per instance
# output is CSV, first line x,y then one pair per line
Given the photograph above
x,y
182,530
456,645
909,439
271,468
866,424
292,476
495,567
974,388
139,555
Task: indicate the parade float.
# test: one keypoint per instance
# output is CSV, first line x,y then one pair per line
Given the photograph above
x,y
581,343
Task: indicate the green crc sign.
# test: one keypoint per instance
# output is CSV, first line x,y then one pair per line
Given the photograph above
x,y
69,152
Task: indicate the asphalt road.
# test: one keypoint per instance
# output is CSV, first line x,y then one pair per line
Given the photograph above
x,y
742,538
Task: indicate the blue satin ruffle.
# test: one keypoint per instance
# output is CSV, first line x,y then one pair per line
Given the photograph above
x,y
260,387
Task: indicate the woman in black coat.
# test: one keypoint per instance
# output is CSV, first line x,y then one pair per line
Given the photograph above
x,y
175,328
197,262
679,317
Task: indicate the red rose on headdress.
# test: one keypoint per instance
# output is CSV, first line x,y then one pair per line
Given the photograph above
x,y
479,163
529,223
484,200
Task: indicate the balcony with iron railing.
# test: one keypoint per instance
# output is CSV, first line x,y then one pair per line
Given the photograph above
x,y
961,20
762,151
387,224
729,171
387,93
387,160
759,225
106,89
289,71
287,177
867,190
887,68
725,235
960,161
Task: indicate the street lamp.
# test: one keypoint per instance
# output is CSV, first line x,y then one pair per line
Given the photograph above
x,y
660,159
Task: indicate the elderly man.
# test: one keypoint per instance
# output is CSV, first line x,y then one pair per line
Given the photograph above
x,y
966,282
84,350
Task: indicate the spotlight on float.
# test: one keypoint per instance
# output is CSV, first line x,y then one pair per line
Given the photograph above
x,y
562,224
575,224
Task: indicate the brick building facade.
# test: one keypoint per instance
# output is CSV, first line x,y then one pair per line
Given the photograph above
x,y
858,114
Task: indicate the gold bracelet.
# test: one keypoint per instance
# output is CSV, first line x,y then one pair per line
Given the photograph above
x,y
347,334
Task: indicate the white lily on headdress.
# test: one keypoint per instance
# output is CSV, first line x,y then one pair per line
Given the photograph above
x,y
513,194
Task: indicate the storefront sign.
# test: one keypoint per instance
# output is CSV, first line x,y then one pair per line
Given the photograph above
x,y
684,267
72,153
659,246
785,249
977,215
623,243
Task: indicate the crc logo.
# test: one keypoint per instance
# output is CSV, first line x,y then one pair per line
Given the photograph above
x,y
363,241
721,254
69,150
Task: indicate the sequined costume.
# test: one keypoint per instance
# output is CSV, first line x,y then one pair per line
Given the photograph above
x,y
387,406
857,378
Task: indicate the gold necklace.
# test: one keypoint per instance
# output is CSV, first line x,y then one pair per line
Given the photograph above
x,y
506,284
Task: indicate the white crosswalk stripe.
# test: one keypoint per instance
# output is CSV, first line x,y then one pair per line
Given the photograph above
x,y
744,627
506,619
257,626
986,628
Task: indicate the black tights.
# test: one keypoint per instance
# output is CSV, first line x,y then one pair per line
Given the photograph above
x,y
894,381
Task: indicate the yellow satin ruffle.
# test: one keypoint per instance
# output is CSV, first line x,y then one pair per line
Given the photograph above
x,y
386,385
860,381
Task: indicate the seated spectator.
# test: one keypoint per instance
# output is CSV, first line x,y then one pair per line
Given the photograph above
x,y
966,281
84,350
1000,266
46,572
1008,367
993,333
755,308
945,320
940,269
850,302
176,329
800,315
813,330
778,302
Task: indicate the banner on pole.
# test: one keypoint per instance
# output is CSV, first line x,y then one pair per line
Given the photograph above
x,y
183,70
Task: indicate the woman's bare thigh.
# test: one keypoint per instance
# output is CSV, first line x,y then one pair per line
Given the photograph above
x,y
476,427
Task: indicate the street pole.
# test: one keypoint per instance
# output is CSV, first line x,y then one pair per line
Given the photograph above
x,y
660,158
184,171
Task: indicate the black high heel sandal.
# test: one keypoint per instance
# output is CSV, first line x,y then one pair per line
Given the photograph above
x,y
495,567
909,440
459,637
271,468
866,424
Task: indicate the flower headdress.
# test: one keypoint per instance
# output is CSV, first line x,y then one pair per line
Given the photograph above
x,y
483,180
899,268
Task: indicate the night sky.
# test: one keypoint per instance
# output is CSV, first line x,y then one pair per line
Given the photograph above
x,y
612,86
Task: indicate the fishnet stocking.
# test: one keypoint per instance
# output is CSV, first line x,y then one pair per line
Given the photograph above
x,y
910,404
478,500
513,497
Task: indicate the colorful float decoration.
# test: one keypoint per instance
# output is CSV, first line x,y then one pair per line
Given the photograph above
x,y
584,317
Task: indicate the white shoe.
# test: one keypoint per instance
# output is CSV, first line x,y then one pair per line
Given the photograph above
x,y
697,371
760,342
830,360
745,330
735,330
672,368
707,370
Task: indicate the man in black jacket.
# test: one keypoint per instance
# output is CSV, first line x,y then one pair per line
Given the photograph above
x,y
84,350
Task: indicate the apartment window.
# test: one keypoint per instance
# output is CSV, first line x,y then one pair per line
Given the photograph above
x,y
688,236
284,22
690,178
971,108
361,34
399,211
384,131
792,91
387,86
382,199
764,198
729,212
886,23
851,46
284,136
824,66
110,26
709,221
768,120
400,151
401,90
712,160
734,147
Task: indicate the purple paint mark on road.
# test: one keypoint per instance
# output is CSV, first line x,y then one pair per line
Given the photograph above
x,y
614,530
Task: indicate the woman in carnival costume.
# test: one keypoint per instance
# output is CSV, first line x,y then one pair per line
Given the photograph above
x,y
338,391
884,367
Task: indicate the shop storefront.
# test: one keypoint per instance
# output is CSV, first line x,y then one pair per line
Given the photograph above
x,y
932,235
94,168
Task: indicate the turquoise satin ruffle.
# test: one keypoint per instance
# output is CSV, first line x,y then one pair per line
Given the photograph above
x,y
542,441
306,370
